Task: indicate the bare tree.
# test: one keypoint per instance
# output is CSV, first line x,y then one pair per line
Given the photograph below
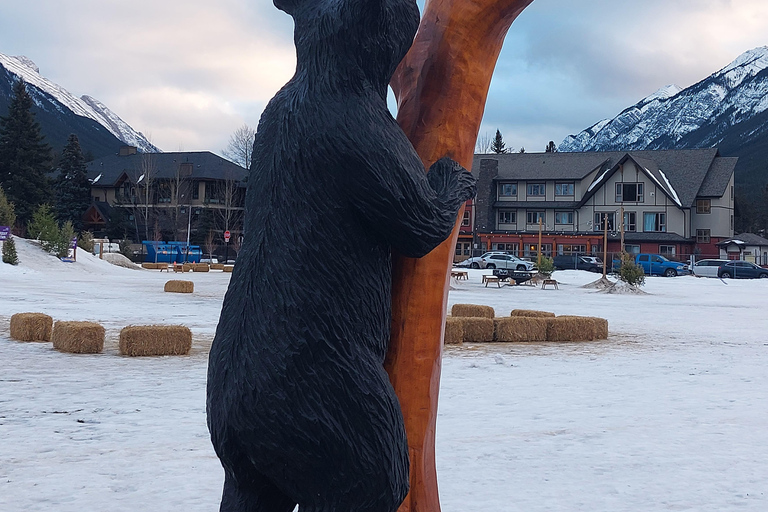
x,y
483,144
230,194
144,180
240,147
210,244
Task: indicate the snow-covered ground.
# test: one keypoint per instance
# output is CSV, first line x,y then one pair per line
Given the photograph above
x,y
669,413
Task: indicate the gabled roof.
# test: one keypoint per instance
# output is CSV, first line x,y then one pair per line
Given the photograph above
x,y
685,173
744,239
651,169
108,171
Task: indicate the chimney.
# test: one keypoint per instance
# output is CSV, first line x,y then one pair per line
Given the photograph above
x,y
127,150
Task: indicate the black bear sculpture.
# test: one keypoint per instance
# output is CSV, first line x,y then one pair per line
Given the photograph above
x,y
300,409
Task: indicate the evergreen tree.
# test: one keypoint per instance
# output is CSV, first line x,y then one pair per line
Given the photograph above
x,y
24,156
9,252
522,150
73,190
7,210
551,148
498,146
44,227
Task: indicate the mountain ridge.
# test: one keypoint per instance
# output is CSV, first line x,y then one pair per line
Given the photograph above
x,y
728,110
59,111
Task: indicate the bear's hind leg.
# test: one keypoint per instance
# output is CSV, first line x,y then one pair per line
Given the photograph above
x,y
259,495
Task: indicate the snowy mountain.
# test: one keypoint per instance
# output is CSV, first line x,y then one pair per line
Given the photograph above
x,y
703,115
59,111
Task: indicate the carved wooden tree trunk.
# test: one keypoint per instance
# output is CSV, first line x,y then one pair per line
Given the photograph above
x,y
441,87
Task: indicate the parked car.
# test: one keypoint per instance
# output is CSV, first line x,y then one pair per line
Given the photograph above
x,y
741,270
578,262
658,265
506,261
477,261
707,268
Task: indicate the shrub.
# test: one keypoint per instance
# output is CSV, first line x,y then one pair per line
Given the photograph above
x,y
7,210
66,234
546,267
630,272
85,241
44,227
9,252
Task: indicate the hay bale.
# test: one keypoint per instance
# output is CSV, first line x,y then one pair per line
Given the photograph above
x,y
178,286
217,266
520,328
31,327
477,330
155,340
148,266
228,268
78,337
201,267
600,327
570,328
531,313
187,267
454,331
471,310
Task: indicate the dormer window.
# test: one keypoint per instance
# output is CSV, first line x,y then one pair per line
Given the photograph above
x,y
629,193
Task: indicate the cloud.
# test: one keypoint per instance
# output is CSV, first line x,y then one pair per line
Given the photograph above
x,y
192,72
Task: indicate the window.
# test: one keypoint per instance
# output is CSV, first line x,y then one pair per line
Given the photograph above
x,y
563,189
731,222
508,189
504,247
564,218
667,250
655,222
532,250
702,236
632,249
600,217
629,192
507,217
703,206
536,189
466,220
630,223
195,190
463,249
563,249
533,217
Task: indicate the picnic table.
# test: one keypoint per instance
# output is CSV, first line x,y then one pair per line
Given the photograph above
x,y
492,279
460,274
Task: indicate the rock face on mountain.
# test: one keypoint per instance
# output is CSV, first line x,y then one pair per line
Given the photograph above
x,y
729,110
60,113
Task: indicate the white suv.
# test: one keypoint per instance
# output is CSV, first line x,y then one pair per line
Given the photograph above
x,y
507,261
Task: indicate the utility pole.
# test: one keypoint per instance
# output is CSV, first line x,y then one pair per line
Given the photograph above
x,y
622,230
605,244
539,260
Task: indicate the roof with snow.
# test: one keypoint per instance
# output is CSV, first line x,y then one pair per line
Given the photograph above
x,y
745,239
114,169
683,174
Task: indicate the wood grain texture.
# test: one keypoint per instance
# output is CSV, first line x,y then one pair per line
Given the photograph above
x,y
441,87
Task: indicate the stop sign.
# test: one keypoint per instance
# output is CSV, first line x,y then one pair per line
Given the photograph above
x,y
226,236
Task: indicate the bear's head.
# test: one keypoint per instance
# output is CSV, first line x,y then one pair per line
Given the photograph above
x,y
351,40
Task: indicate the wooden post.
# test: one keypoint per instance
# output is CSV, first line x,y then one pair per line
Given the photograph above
x,y
441,87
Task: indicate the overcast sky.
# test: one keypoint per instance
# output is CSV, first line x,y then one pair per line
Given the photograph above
x,y
188,73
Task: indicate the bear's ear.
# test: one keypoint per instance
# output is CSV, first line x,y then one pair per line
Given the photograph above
x,y
288,6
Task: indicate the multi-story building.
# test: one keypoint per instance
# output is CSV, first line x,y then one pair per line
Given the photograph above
x,y
167,196
675,202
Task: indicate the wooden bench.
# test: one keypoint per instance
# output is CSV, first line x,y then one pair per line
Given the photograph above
x,y
551,282
460,274
492,279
